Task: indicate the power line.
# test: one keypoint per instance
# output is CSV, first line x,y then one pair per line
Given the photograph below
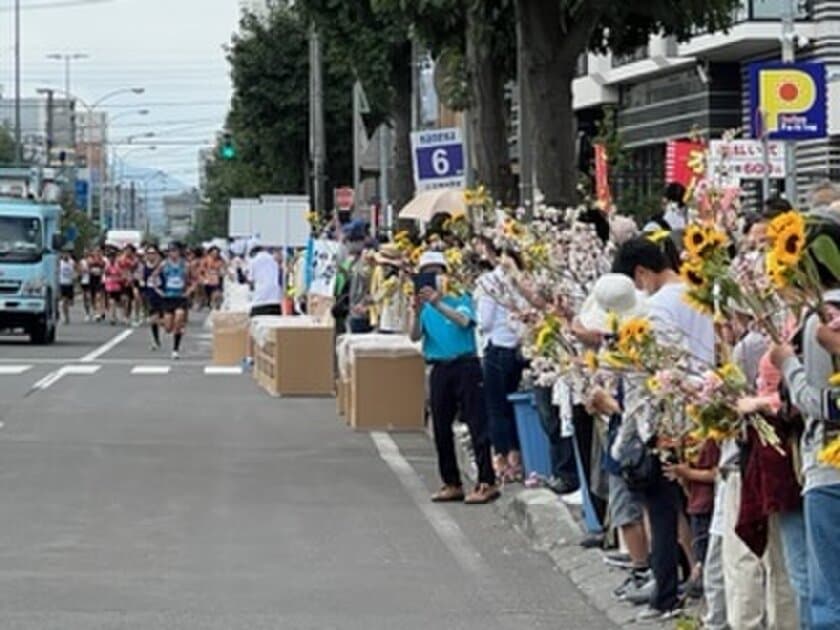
x,y
55,5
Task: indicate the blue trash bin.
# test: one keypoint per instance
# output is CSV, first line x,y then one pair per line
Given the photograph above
x,y
536,450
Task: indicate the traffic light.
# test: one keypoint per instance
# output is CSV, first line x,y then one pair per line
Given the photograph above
x,y
227,151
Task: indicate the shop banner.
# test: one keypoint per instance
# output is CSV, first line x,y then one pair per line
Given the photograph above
x,y
685,163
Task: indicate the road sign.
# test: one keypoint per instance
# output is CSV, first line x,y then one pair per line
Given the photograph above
x,y
438,157
735,160
71,234
788,100
81,193
344,197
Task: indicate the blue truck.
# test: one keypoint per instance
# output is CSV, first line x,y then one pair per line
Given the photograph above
x,y
30,242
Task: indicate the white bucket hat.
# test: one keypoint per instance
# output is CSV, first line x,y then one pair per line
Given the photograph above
x,y
428,259
616,294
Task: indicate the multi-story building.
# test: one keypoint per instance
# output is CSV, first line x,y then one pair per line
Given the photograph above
x,y
667,89
45,124
180,213
205,159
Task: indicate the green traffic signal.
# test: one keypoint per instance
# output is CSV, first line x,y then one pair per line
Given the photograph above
x,y
227,150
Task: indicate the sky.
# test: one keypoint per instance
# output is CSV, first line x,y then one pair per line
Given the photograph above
x,y
172,48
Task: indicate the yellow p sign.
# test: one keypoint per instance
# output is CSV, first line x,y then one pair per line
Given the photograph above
x,y
785,91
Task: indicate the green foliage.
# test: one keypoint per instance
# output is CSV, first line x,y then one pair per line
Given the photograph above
x,y
88,232
7,146
267,126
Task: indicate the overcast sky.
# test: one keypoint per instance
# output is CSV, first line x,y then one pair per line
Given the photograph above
x,y
172,48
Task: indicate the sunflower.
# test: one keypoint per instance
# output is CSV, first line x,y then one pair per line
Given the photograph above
x,y
716,238
789,244
693,275
779,274
730,372
454,257
695,240
544,336
786,221
634,331
834,381
830,454
590,360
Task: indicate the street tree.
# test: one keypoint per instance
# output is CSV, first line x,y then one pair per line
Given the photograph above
x,y
372,44
474,44
554,33
7,146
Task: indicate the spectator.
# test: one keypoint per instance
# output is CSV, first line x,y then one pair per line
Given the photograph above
x,y
263,276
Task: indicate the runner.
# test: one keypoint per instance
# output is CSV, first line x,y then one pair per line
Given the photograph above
x,y
150,288
96,266
174,274
128,263
195,259
84,281
66,279
113,280
212,274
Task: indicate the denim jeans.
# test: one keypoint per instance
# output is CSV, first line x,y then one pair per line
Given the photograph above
x,y
822,514
502,373
792,527
563,465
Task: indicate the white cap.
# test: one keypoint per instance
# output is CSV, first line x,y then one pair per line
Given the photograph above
x,y
427,259
613,293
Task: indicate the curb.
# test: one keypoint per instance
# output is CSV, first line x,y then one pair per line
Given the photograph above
x,y
550,527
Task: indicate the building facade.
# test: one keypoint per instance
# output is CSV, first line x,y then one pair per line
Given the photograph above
x,y
669,90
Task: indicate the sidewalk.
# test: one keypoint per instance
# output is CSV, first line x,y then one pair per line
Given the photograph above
x,y
551,527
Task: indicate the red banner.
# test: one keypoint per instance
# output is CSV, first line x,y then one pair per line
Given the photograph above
x,y
602,178
685,162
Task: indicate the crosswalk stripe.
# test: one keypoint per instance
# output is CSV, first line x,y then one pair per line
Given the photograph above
x,y
219,370
149,370
14,370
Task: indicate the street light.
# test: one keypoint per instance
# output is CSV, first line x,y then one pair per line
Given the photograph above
x,y
116,209
67,58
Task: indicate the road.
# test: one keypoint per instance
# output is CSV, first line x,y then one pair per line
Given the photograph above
x,y
181,499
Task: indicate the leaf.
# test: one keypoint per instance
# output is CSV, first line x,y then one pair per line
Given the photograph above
x,y
827,254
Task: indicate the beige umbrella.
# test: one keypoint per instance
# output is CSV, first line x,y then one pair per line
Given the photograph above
x,y
431,202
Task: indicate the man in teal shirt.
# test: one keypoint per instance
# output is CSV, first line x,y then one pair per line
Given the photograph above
x,y
446,325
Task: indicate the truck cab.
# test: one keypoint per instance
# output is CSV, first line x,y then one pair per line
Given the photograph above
x,y
29,250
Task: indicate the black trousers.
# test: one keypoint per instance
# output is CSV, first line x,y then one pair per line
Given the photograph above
x,y
664,502
452,387
266,309
585,433
562,451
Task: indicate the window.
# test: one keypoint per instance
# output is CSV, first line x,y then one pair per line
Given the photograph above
x,y
637,55
769,10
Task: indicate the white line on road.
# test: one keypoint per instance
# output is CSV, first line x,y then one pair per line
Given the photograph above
x,y
444,525
151,369
106,347
14,370
76,370
219,370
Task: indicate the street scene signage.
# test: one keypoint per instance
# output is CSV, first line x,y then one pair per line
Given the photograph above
x,y
788,100
744,159
438,158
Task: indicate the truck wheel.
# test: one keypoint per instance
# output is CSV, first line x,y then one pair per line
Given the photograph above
x,y
39,334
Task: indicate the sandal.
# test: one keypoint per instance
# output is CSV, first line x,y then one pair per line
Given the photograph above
x,y
448,494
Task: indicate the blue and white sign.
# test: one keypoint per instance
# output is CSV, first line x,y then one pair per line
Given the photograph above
x,y
81,193
438,156
788,100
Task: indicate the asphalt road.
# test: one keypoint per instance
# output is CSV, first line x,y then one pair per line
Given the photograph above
x,y
181,499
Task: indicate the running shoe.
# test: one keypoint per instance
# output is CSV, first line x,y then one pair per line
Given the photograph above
x,y
176,355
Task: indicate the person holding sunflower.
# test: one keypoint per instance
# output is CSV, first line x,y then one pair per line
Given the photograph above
x,y
809,379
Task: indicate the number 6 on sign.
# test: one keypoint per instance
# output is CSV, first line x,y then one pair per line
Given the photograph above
x,y
440,161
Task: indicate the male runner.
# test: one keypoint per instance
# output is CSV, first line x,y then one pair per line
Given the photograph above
x,y
150,289
96,265
84,281
175,289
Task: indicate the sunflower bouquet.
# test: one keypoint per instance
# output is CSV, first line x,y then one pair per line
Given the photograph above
x,y
705,268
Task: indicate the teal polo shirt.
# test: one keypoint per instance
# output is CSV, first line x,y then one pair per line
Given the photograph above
x,y
443,339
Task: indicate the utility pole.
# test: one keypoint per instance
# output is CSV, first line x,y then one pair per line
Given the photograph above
x,y
357,114
317,140
526,164
789,56
18,137
50,124
384,155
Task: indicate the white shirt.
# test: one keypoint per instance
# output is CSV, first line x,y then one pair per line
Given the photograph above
x,y
681,324
264,273
85,271
494,321
66,273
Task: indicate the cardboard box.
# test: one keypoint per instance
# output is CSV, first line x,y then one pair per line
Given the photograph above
x,y
230,338
296,359
387,391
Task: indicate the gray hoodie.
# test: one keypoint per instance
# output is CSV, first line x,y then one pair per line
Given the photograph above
x,y
807,380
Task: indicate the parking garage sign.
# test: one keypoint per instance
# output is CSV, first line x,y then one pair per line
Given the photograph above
x,y
788,100
438,157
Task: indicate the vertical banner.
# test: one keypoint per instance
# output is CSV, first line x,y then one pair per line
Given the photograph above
x,y
685,163
602,178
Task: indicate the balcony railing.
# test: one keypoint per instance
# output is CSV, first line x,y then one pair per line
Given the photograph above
x,y
758,10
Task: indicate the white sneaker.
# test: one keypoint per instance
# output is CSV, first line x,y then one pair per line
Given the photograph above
x,y
87,318
176,355
154,347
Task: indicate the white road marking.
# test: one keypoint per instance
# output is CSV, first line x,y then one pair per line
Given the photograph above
x,y
14,370
106,347
444,525
68,370
220,370
151,369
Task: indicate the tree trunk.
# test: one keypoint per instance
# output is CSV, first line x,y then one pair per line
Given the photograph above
x,y
403,190
486,114
550,52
